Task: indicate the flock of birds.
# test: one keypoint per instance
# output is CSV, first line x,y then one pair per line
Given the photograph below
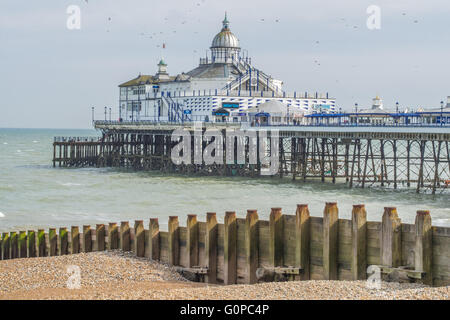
x,y
160,37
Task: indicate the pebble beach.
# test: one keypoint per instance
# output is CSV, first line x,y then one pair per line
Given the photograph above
x,y
115,275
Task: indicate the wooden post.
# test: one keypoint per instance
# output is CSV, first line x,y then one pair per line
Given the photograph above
x,y
211,247
113,236
359,242
174,245
192,240
42,245
424,246
6,245
75,239
125,240
154,239
302,234
31,239
229,248
14,245
100,234
22,244
139,238
391,236
276,237
53,242
87,239
63,241
330,240
251,245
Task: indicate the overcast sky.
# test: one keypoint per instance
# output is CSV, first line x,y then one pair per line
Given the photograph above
x,y
51,76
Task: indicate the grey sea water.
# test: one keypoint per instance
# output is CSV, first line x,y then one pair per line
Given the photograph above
x,y
33,194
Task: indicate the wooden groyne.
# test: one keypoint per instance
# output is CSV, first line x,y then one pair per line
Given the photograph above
x,y
248,250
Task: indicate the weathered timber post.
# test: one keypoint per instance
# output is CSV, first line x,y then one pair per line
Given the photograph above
x,y
87,239
75,239
125,239
192,240
6,245
276,237
391,236
100,234
302,234
153,248
1,248
211,247
359,242
251,245
424,246
53,242
42,245
31,242
139,238
22,243
63,241
330,241
174,244
113,236
14,246
229,248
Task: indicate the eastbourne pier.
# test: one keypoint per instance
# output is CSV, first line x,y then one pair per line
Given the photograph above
x,y
314,139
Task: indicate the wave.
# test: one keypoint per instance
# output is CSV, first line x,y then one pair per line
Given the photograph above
x,y
69,184
2,215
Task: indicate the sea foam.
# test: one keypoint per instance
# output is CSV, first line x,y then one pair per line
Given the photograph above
x,y
2,215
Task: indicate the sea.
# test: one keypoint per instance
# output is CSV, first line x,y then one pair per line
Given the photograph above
x,y
35,195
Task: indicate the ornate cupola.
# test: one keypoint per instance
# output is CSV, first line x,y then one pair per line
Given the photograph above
x,y
162,71
225,45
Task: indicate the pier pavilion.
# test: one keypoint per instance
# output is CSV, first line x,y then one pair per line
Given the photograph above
x,y
224,79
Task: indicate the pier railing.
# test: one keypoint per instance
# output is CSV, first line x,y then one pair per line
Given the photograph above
x,y
241,250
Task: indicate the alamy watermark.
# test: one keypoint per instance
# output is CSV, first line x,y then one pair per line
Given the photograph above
x,y
73,21
74,280
241,147
374,19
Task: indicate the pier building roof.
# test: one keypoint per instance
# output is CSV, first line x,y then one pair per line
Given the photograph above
x,y
225,38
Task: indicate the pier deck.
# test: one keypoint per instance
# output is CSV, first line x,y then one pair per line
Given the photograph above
x,y
388,156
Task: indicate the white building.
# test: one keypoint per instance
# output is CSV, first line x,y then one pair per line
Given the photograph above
x,y
223,80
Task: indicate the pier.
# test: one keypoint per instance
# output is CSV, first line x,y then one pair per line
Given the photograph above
x,y
293,245
393,156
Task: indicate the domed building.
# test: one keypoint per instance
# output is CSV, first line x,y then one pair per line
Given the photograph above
x,y
223,80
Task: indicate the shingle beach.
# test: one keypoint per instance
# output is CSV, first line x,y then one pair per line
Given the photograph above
x,y
117,275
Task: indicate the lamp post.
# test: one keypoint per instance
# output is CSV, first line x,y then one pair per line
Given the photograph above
x,y
110,114
396,111
93,114
106,110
